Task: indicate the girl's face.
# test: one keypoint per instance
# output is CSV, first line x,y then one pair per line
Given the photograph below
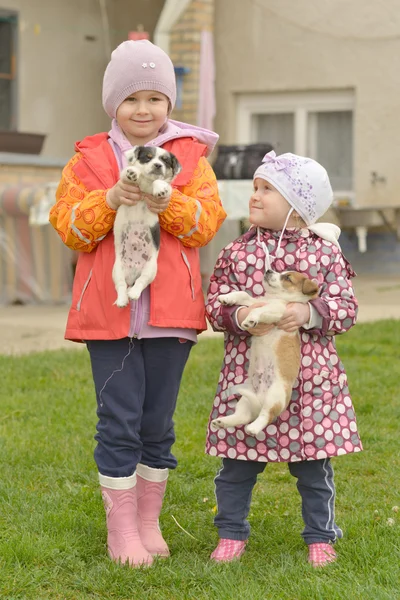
x,y
268,208
141,116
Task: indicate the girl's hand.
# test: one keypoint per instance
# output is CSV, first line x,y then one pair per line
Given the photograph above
x,y
154,205
295,315
258,330
123,193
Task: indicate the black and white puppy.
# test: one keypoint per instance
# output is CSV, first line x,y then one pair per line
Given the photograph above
x,y
136,228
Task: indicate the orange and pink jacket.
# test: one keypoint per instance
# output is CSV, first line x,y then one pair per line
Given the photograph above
x,y
84,222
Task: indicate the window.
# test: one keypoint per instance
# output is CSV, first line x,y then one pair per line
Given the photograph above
x,y
317,124
8,35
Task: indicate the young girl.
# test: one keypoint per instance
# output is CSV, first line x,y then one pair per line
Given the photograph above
x,y
137,353
290,194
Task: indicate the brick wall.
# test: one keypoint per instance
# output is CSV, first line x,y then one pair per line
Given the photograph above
x,y
185,52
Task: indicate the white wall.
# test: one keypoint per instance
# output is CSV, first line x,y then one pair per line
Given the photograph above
x,y
266,46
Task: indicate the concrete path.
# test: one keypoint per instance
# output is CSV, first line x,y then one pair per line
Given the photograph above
x,y
25,329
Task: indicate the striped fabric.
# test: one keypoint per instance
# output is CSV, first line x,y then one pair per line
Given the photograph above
x,y
35,266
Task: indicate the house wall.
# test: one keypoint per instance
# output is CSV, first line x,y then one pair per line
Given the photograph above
x,y
61,60
314,45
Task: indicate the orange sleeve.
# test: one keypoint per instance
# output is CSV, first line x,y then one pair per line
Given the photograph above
x,y
81,218
195,212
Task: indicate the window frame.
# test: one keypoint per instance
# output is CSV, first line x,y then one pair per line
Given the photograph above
x,y
12,74
301,104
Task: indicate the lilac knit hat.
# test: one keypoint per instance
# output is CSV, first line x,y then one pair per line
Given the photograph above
x,y
136,66
302,181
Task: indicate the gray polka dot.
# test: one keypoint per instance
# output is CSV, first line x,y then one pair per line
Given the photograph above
x,y
334,415
232,277
294,421
291,247
251,441
339,441
312,249
250,270
213,438
318,416
331,277
347,323
317,392
355,439
342,283
295,395
271,442
326,250
350,414
336,390
324,341
231,440
230,411
251,248
320,442
294,446
313,271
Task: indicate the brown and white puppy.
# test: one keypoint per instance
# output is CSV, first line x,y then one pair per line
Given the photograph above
x,y
136,228
274,357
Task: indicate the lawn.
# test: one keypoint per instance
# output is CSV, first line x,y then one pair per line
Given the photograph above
x,y
52,526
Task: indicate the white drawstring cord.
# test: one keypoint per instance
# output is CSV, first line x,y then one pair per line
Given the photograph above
x,y
267,261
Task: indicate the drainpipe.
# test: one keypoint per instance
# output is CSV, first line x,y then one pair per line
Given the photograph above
x,y
170,14
106,28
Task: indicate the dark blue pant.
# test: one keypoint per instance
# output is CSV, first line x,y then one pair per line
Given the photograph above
x,y
137,384
234,486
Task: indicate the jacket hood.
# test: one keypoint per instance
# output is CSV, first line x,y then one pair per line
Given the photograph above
x,y
176,129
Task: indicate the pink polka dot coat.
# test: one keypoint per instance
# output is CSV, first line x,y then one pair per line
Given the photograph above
x,y
319,421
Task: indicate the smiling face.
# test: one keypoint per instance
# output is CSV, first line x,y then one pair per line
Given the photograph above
x,y
141,116
268,208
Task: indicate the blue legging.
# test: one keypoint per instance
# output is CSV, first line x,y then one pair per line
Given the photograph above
x,y
137,384
234,486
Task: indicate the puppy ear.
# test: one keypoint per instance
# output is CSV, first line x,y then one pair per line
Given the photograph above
x,y
175,164
309,288
132,154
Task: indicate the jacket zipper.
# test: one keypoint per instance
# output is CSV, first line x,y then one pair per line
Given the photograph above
x,y
134,327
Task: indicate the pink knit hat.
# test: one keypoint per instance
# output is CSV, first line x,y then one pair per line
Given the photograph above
x,y
136,66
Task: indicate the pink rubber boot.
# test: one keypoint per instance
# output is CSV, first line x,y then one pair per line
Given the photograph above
x,y
123,540
151,484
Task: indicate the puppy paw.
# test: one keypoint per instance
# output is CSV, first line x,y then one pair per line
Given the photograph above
x,y
122,300
217,423
249,322
130,174
251,430
225,299
134,292
161,190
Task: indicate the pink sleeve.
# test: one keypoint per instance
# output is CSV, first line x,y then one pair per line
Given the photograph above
x,y
336,303
223,281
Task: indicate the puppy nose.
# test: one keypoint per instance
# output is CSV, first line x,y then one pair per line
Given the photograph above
x,y
157,165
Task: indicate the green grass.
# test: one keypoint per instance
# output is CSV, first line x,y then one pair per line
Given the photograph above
x,y
52,530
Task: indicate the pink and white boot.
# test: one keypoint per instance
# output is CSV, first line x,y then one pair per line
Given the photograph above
x,y
321,554
123,539
151,484
228,550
